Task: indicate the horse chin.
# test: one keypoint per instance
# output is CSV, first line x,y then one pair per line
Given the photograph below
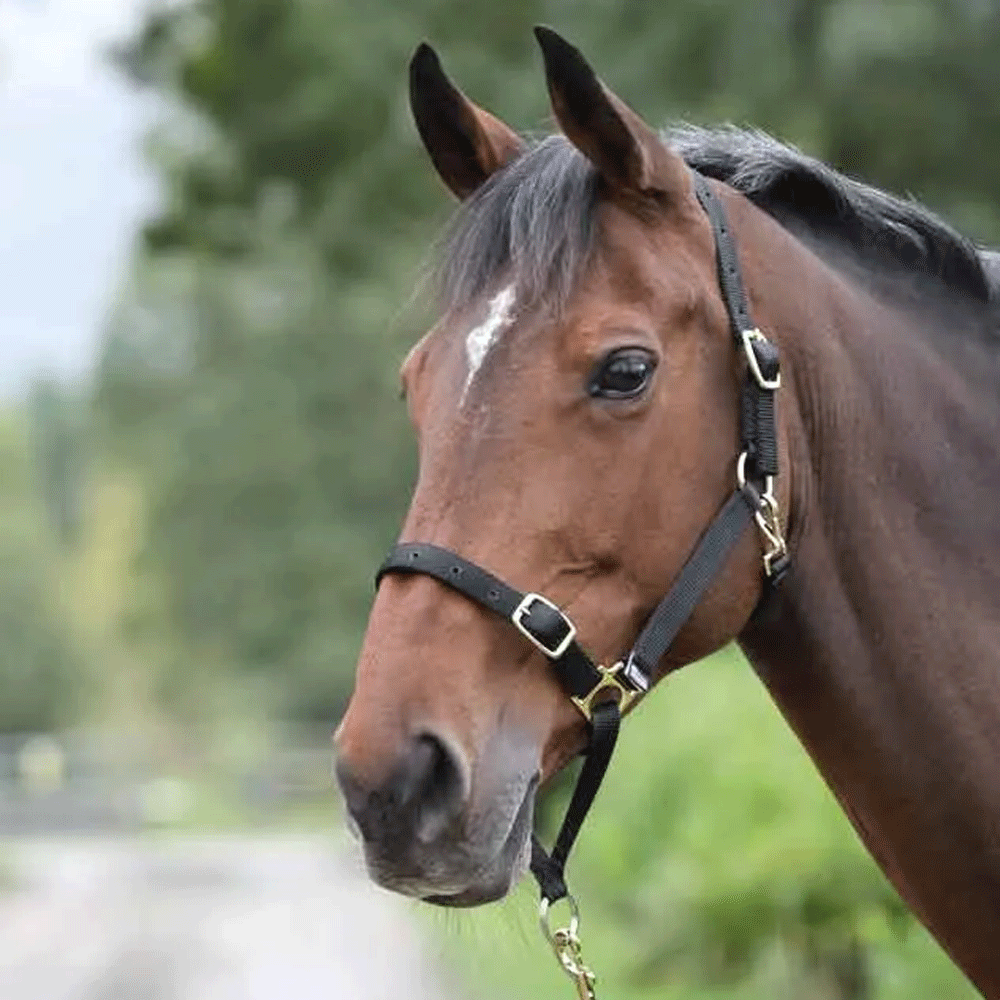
x,y
506,869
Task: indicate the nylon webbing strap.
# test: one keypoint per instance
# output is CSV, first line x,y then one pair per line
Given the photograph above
x,y
576,671
543,624
695,578
758,435
760,428
549,869
759,441
730,278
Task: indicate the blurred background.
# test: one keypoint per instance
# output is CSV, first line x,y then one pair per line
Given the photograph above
x,y
215,213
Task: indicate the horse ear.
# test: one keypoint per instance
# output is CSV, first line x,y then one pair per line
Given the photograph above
x,y
627,152
466,143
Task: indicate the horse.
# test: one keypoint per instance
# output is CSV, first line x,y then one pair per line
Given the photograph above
x,y
577,410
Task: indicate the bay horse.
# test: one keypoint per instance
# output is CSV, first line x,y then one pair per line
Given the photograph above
x,y
577,409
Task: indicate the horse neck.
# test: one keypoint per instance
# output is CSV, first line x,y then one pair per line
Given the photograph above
x,y
881,646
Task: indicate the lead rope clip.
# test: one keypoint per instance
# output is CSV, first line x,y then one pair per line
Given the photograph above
x,y
565,942
768,518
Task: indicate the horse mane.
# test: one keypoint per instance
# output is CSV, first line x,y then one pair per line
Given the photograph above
x,y
533,220
794,187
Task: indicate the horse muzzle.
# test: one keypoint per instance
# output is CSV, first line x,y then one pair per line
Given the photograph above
x,y
425,835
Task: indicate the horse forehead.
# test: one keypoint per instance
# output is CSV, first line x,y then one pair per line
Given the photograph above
x,y
501,310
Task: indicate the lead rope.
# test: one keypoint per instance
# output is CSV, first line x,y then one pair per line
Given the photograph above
x,y
549,869
549,630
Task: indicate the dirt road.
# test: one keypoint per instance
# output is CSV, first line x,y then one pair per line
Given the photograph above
x,y
209,919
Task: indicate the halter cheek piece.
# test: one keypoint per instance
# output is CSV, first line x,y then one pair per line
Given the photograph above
x,y
602,693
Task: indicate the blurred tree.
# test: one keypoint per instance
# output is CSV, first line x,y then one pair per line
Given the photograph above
x,y
60,442
40,669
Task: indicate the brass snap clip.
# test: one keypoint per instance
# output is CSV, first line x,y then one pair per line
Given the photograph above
x,y
565,942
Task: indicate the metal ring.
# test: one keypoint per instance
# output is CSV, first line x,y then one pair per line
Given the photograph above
x,y
543,918
741,470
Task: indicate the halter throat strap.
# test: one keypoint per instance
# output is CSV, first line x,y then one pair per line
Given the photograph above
x,y
602,693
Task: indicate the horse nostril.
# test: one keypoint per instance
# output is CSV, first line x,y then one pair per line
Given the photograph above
x,y
438,786
424,793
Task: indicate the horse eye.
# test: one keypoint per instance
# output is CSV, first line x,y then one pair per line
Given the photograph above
x,y
623,374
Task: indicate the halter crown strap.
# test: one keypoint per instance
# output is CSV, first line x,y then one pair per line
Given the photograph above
x,y
543,624
757,418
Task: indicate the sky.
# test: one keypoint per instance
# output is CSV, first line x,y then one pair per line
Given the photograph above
x,y
73,187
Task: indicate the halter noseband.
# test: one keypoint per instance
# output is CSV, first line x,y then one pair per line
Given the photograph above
x,y
602,693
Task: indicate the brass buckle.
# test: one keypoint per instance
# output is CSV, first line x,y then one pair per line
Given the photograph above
x,y
524,607
749,337
609,682
565,942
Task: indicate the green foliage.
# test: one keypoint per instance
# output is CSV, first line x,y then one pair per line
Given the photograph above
x,y
725,850
265,514
59,435
40,670
39,673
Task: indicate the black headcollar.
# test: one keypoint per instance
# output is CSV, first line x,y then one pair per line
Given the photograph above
x,y
602,693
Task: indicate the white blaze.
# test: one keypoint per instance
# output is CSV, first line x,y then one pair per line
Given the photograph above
x,y
481,338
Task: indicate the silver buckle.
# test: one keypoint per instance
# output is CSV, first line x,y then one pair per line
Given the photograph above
x,y
749,336
524,607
